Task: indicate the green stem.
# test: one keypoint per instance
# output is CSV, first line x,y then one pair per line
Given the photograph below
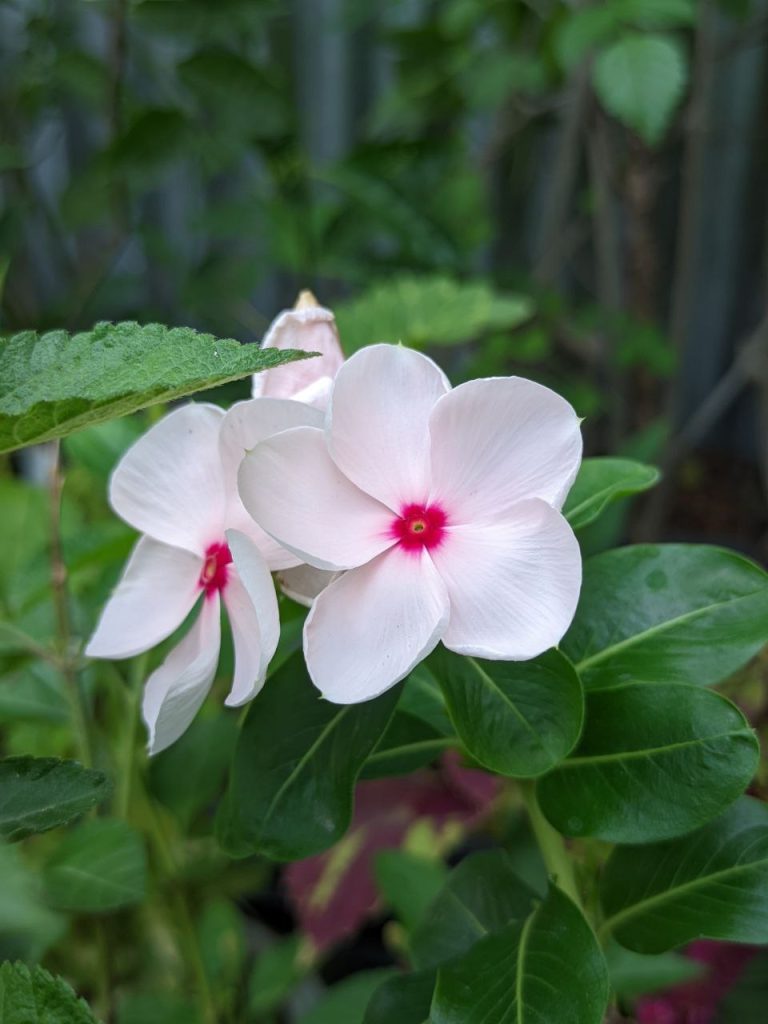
x,y
558,863
126,759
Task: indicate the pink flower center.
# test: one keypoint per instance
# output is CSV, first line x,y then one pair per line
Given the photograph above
x,y
215,573
419,526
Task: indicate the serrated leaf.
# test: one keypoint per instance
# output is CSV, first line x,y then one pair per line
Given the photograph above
x,y
295,766
712,883
55,383
655,762
546,968
33,996
100,866
41,793
515,718
640,80
649,613
482,896
601,481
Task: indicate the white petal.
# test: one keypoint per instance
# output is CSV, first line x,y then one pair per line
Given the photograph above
x,y
378,418
244,425
251,603
175,691
169,483
294,491
304,583
311,329
369,628
498,441
155,594
513,586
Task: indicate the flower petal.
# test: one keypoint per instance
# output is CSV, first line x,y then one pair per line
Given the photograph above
x,y
513,586
498,441
303,583
370,627
251,603
295,492
169,483
175,691
155,594
311,329
244,425
378,420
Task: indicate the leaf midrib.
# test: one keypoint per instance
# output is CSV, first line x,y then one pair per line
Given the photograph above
x,y
630,755
489,681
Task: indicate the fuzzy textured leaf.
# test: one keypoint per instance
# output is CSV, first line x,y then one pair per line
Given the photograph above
x,y
650,612
40,793
55,383
295,766
654,762
547,968
712,884
33,996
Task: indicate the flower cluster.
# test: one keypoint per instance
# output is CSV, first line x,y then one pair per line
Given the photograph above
x,y
402,511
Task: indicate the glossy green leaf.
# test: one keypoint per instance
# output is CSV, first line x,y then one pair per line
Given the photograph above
x,y
655,761
409,883
100,866
404,999
640,79
546,968
295,766
516,718
347,1000
712,883
33,996
649,613
55,383
482,895
40,793
408,744
601,481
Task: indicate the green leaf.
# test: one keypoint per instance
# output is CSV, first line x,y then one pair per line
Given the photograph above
x,y
515,718
422,311
601,481
27,927
100,866
640,80
346,1001
547,968
406,999
409,743
634,974
650,612
589,27
277,969
55,383
295,766
482,895
711,884
654,762
40,793
409,883
36,997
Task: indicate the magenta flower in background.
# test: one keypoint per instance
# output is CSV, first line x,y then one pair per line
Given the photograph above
x,y
176,485
439,507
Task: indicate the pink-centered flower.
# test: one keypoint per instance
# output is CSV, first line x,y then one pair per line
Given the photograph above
x,y
310,328
440,509
177,486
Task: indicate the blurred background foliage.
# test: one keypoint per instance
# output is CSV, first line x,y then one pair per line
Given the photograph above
x,y
571,191
197,163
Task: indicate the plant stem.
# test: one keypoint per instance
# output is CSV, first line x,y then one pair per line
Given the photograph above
x,y
558,863
77,697
126,762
